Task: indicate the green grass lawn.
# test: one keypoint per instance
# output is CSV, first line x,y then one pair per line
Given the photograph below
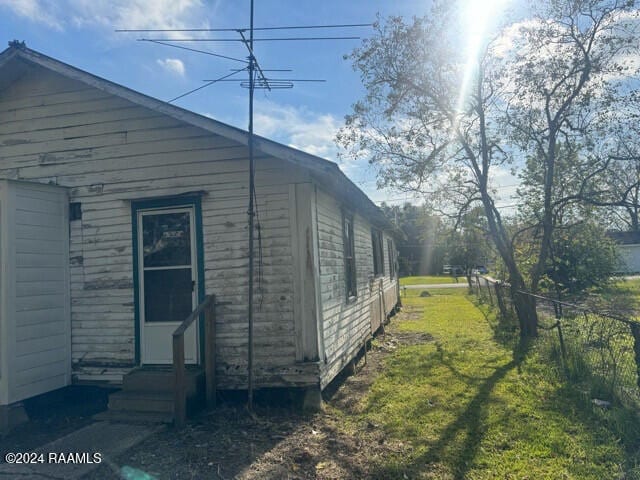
x,y
621,296
429,280
462,407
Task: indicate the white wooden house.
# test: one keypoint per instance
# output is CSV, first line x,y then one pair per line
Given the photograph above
x,y
628,249
155,204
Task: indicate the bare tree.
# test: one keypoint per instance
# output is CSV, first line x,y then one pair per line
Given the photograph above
x,y
443,124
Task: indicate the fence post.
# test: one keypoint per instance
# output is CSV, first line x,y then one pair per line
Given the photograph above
x,y
635,331
489,290
563,350
500,300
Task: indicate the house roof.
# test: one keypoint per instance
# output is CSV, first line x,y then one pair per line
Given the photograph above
x,y
325,171
625,238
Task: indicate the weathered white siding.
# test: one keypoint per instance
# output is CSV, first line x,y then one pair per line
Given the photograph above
x,y
35,294
629,261
109,151
347,325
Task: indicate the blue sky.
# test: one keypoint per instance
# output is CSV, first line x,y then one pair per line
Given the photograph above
x,y
81,33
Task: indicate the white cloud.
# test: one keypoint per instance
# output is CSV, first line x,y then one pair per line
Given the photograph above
x,y
172,65
300,128
130,14
506,185
156,14
36,11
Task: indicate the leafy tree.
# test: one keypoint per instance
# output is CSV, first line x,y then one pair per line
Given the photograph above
x,y
625,175
582,257
420,252
550,88
467,244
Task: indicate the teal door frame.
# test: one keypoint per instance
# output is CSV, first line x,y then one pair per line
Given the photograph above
x,y
177,201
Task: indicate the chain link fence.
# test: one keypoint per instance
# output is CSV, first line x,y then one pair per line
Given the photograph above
x,y
598,351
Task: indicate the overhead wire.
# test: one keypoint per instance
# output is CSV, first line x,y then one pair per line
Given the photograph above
x,y
288,27
203,86
275,39
161,42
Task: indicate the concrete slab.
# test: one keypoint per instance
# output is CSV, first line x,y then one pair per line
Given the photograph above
x,y
11,416
79,452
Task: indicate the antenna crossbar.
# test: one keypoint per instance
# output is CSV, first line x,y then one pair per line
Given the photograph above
x,y
268,79
288,27
275,39
260,84
253,61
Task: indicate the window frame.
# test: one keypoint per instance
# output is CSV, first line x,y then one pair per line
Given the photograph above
x,y
377,247
392,259
349,256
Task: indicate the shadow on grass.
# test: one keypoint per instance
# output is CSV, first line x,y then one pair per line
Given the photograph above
x,y
619,422
580,392
503,325
456,448
470,423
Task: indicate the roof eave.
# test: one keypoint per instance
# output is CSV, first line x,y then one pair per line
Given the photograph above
x,y
269,147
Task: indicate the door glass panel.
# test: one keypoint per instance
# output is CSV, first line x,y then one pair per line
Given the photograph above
x,y
167,295
166,239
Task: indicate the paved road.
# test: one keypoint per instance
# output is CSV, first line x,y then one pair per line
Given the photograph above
x,y
437,285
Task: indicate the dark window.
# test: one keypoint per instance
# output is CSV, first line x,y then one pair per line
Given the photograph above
x,y
167,264
167,240
167,295
378,254
349,256
75,211
392,259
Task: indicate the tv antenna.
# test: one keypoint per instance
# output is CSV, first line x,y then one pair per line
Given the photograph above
x,y
257,80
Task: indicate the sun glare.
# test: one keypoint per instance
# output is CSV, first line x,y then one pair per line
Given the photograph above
x,y
478,18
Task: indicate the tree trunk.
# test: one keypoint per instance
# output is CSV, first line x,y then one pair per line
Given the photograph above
x,y
525,306
635,225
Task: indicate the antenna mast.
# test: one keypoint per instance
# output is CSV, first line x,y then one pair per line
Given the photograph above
x,y
251,214
257,79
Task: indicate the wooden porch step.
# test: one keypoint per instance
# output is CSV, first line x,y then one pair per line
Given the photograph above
x,y
161,380
147,395
116,416
141,402
151,402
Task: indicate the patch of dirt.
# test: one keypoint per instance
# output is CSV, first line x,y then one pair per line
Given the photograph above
x,y
53,415
277,442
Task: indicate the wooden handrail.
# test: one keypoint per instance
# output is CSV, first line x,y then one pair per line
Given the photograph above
x,y
207,306
194,315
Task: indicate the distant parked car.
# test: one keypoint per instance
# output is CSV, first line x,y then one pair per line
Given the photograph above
x,y
480,270
453,270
